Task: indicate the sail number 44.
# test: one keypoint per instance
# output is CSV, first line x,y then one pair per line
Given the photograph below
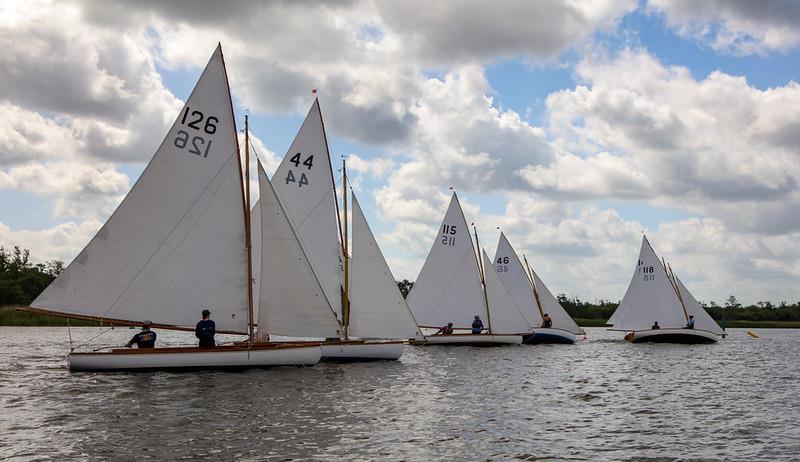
x,y
196,120
297,161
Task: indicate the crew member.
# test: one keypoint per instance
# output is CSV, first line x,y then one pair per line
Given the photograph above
x,y
144,339
546,321
205,331
477,325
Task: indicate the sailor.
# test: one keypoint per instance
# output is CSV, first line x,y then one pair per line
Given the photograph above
x,y
690,323
477,325
446,330
144,339
546,321
655,326
205,330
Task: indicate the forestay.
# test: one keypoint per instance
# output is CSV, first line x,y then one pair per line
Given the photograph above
x,y
448,288
176,243
650,297
304,185
702,320
377,308
505,316
291,300
516,280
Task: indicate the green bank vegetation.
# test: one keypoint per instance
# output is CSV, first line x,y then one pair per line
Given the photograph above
x,y
21,282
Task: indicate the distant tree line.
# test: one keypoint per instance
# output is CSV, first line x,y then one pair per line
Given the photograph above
x,y
731,310
20,280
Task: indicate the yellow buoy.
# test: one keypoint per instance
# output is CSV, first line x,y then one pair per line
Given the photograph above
x,y
752,334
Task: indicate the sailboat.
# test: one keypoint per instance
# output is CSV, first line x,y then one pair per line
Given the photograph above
x,y
367,318
452,288
656,295
534,298
179,242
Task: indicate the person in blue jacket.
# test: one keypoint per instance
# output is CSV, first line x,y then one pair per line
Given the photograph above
x,y
690,323
144,339
477,325
205,330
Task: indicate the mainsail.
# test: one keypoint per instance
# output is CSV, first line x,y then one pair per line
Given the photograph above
x,y
650,297
702,320
304,185
448,288
506,316
291,300
176,243
377,308
516,279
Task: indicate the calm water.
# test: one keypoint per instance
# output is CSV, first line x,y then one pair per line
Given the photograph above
x,y
602,399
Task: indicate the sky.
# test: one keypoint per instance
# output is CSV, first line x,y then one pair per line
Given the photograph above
x,y
572,126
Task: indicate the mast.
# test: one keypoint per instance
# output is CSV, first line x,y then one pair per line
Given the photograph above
x,y
247,225
345,248
533,286
483,280
674,282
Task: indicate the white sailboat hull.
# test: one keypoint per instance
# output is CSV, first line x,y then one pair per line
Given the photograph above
x,y
264,355
548,336
672,335
470,340
361,351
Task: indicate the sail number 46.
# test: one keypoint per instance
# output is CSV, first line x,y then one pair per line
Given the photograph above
x,y
198,145
297,160
502,265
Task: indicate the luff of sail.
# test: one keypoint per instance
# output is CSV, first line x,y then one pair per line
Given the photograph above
x,y
507,317
291,300
377,308
448,288
650,297
702,320
176,243
304,185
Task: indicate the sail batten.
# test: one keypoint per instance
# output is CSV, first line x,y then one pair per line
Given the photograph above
x,y
176,244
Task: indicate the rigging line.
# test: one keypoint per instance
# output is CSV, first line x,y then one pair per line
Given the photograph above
x,y
178,223
91,339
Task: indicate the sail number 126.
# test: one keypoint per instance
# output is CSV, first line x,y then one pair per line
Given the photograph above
x,y
196,120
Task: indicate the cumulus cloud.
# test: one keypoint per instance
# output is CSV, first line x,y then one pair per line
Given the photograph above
x,y
735,26
57,243
716,146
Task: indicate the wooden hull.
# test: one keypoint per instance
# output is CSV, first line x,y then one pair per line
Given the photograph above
x,y
222,357
358,351
480,340
687,336
549,336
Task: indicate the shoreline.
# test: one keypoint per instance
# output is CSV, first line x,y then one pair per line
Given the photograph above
x,y
9,316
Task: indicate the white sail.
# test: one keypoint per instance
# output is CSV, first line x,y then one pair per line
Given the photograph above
x,y
650,297
448,288
702,320
291,300
176,243
561,319
515,278
505,316
304,185
255,240
377,308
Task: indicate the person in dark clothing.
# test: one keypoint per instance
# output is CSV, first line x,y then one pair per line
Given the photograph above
x,y
655,326
690,323
446,330
546,321
205,331
144,339
477,325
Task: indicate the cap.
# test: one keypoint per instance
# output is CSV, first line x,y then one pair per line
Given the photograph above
x,y
147,322
206,312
